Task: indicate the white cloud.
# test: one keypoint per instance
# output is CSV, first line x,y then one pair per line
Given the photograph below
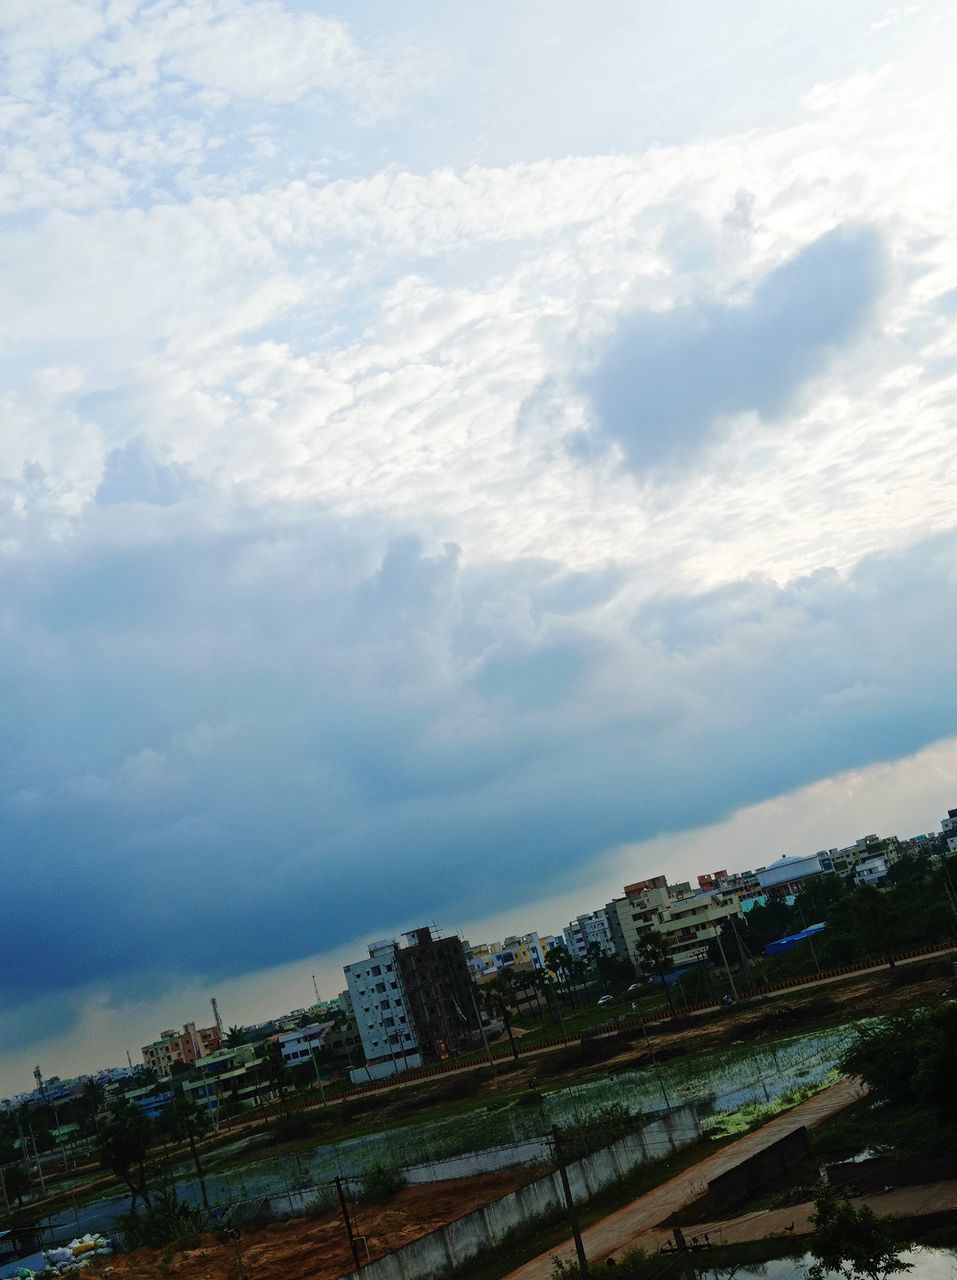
x,y
264,314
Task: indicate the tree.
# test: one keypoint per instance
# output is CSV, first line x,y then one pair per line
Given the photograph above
x,y
851,1242
653,953
876,921
235,1036
123,1145
276,1071
93,1098
909,1057
17,1180
498,1000
183,1120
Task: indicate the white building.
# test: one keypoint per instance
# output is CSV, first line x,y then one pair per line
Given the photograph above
x,y
871,871
949,828
593,927
299,1044
787,873
382,1014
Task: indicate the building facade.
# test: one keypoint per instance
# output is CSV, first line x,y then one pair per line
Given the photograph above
x,y
438,989
183,1048
688,919
948,829
382,1014
586,930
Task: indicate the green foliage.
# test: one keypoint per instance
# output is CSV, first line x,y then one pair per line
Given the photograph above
x,y
17,1181
379,1184
123,1144
851,1242
167,1221
909,1057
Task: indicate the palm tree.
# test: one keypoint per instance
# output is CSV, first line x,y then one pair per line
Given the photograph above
x,y
183,1120
235,1037
498,1000
654,953
277,1072
123,1144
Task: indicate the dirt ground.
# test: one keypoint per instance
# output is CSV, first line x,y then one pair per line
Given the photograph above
x,y
318,1249
813,1008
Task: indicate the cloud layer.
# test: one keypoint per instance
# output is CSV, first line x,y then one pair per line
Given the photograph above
x,y
440,448
223,749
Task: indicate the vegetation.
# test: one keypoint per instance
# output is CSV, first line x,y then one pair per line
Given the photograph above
x,y
186,1122
850,1241
123,1145
166,1221
379,1184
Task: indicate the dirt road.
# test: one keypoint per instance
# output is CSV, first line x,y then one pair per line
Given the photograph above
x,y
627,1226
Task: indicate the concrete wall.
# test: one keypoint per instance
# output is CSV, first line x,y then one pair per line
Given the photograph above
x,y
452,1245
534,1151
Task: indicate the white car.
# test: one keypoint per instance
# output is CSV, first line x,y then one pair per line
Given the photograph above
x,y
605,1000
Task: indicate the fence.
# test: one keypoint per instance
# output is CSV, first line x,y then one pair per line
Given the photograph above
x,y
455,1243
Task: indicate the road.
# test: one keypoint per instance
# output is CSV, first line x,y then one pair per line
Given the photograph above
x,y
626,1227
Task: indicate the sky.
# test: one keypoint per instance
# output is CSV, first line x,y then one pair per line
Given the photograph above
x,y
455,460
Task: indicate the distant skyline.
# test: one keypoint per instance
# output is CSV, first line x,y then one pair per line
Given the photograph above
x,y
450,457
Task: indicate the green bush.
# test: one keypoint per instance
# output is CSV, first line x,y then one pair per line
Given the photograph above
x,y
166,1221
379,1184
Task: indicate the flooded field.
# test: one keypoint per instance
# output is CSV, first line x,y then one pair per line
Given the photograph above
x,y
717,1082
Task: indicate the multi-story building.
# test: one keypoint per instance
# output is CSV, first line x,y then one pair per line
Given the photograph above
x,y
688,919
787,875
299,1044
586,930
948,829
519,952
847,861
438,989
184,1048
382,1013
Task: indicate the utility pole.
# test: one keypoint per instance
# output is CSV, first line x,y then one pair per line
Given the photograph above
x,y
810,941
481,1025
724,960
569,1202
742,954
353,1244
655,1067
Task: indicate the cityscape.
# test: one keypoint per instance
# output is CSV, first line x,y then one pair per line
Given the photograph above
x,y
478,691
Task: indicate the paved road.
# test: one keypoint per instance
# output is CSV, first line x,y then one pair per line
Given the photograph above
x,y
624,1228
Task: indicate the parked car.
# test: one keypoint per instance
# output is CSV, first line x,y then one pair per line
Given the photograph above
x,y
605,1000
635,986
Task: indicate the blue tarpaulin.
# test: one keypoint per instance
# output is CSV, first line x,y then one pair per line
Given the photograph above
x,y
793,939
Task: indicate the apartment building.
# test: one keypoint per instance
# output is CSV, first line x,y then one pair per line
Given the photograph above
x,y
948,828
847,861
184,1047
687,918
519,952
299,1044
434,973
588,929
382,1013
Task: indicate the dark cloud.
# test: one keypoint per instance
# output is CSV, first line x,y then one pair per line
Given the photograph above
x,y
667,381
221,751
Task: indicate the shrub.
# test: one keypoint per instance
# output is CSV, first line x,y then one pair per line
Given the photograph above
x,y
379,1184
166,1221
